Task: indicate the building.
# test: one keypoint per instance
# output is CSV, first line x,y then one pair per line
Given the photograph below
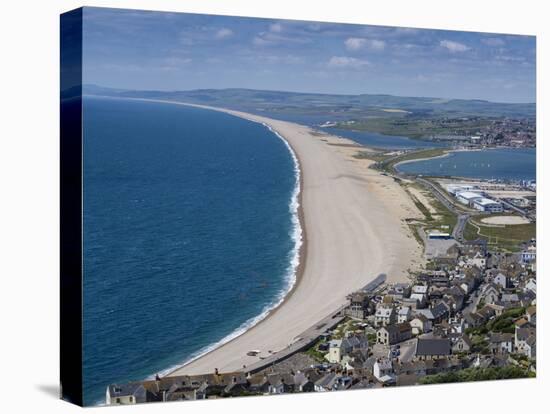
x,y
385,315
529,255
420,324
486,204
501,280
457,188
438,235
334,354
467,197
404,314
393,334
359,305
461,342
126,394
501,343
383,370
432,348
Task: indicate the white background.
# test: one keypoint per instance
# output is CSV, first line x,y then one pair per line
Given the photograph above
x,y
29,192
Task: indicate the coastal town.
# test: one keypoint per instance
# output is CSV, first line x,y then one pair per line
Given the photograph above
x,y
473,317
468,315
464,132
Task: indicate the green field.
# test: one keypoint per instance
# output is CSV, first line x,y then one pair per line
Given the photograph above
x,y
506,238
416,127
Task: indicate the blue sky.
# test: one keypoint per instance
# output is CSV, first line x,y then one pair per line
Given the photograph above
x,y
178,51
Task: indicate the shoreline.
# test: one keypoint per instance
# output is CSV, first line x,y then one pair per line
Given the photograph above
x,y
347,218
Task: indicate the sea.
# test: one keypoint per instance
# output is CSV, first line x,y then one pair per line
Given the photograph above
x,y
191,234
504,164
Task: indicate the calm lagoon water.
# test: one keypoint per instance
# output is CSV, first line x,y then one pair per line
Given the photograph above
x,y
188,234
501,163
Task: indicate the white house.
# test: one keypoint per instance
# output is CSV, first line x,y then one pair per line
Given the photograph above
x,y
420,324
531,285
383,370
529,255
385,315
334,354
404,314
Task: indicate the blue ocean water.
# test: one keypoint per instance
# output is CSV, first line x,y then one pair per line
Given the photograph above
x,y
501,163
188,234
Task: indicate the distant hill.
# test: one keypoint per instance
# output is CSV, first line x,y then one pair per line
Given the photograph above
x,y
328,105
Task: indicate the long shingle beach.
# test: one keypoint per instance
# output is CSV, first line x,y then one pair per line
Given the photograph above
x,y
353,222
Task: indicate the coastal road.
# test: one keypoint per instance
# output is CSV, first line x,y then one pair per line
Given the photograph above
x,y
461,215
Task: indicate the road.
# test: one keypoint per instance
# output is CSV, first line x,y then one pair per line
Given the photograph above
x,y
462,216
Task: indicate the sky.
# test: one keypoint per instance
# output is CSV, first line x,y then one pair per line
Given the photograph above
x,y
147,50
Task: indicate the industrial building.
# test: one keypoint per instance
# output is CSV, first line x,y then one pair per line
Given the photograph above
x,y
488,205
467,197
456,188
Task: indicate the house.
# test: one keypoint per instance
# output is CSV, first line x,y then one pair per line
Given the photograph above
x,y
467,284
420,298
487,312
125,394
460,343
304,382
501,343
531,314
404,314
531,285
334,354
477,260
473,320
510,299
440,311
530,347
392,334
501,280
529,255
383,370
521,339
281,383
353,343
326,382
432,348
385,315
359,305
420,324
490,293
259,384
399,291
420,290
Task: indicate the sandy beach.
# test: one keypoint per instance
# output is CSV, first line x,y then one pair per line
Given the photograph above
x,y
353,223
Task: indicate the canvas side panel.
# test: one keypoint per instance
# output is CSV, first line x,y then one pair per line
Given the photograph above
x,y
71,206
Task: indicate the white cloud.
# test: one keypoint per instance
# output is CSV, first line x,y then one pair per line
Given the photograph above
x,y
493,41
454,46
260,41
347,62
223,33
357,43
276,28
